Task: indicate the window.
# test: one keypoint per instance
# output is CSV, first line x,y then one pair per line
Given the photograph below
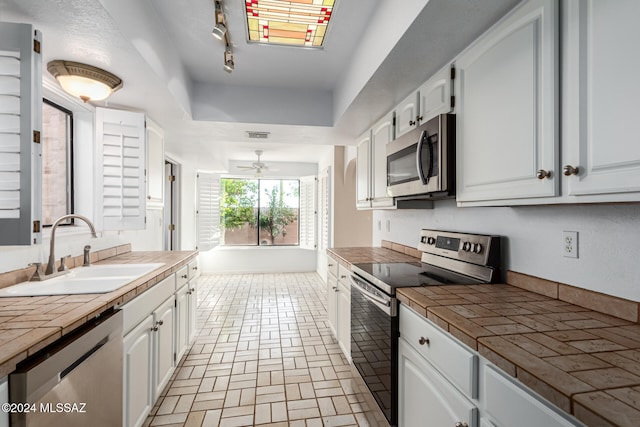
x,y
57,166
259,212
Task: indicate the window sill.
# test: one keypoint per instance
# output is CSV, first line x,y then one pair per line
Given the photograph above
x,y
264,247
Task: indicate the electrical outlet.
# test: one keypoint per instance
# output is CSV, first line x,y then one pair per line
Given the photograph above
x,y
570,244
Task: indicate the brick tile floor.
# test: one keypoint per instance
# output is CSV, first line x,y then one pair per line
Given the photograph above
x,y
263,356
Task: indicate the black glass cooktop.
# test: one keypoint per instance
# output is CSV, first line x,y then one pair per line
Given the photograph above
x,y
393,275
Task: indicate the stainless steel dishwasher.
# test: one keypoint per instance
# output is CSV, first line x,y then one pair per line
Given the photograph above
x,y
76,381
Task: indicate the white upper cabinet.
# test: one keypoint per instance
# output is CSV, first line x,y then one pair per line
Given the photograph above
x,y
407,114
507,112
155,165
371,165
20,126
435,95
381,135
600,107
120,167
363,171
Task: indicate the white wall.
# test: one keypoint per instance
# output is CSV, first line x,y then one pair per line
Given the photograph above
x,y
257,260
607,242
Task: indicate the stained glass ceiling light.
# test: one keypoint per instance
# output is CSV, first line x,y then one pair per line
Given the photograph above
x,y
293,23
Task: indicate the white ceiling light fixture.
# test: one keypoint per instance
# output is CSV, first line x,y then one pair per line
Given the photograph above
x,y
84,81
221,32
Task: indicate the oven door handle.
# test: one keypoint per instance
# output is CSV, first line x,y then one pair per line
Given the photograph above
x,y
356,282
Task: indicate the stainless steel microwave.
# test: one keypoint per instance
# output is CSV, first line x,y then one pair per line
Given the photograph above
x,y
422,161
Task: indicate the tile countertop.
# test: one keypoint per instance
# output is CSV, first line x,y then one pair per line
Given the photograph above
x,y
348,256
28,324
585,362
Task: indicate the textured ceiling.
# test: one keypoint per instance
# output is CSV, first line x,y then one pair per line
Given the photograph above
x,y
172,67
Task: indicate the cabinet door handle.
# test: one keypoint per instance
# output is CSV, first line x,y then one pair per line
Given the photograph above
x,y
160,322
343,277
330,265
542,174
569,170
411,122
193,289
423,341
154,329
184,276
461,424
195,268
418,119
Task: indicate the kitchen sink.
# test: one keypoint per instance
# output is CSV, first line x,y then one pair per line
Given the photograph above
x,y
97,279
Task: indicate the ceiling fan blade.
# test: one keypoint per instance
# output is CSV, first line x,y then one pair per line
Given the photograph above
x,y
246,167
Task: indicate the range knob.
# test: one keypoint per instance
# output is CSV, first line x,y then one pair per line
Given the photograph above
x,y
466,246
431,240
477,248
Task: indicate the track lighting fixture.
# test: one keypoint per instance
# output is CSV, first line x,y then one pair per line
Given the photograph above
x,y
220,29
221,32
228,60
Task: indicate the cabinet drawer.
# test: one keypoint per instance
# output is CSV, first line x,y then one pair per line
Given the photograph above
x,y
193,269
182,277
343,275
510,403
456,362
332,266
143,305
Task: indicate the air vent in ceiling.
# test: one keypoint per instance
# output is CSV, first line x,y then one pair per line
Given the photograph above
x,y
257,135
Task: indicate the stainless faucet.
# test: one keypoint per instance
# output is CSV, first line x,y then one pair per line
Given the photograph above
x,y
51,265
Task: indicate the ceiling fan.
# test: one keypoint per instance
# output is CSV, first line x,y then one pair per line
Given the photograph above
x,y
257,166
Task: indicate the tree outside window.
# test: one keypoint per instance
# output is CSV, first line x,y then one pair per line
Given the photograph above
x,y
260,212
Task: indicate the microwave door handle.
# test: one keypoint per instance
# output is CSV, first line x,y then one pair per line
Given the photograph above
x,y
425,179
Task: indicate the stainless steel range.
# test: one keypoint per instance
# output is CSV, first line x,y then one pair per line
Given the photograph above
x,y
448,258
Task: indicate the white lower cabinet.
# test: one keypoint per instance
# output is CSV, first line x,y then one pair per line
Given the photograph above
x,y
192,300
339,304
164,356
426,398
437,376
343,314
138,373
159,326
443,382
332,303
185,318
148,362
507,402
182,321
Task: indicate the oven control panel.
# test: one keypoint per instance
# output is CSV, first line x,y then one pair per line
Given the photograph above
x,y
474,248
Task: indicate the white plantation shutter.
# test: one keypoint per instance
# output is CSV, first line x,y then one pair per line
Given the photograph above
x,y
208,210
120,174
324,197
308,212
20,125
